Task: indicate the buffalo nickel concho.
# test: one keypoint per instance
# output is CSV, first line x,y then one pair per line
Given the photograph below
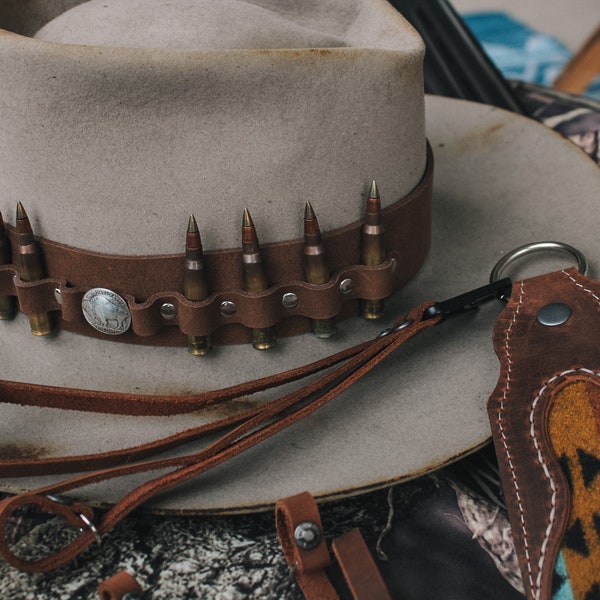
x,y
106,311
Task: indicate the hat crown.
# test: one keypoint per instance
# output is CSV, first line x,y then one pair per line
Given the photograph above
x,y
152,134
197,24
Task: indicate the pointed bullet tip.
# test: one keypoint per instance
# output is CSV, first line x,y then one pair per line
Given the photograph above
x,y
192,225
247,221
309,213
21,214
373,191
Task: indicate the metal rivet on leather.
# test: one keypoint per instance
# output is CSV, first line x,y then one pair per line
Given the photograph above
x,y
289,300
347,286
106,311
554,314
307,535
227,308
168,311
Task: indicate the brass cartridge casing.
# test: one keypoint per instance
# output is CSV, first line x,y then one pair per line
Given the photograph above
x,y
372,248
30,261
316,270
7,303
195,286
255,278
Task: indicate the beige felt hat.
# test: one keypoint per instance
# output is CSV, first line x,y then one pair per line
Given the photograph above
x,y
121,118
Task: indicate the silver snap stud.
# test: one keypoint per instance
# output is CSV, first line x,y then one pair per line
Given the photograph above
x,y
289,300
58,295
227,308
168,311
307,535
347,286
106,311
394,265
553,314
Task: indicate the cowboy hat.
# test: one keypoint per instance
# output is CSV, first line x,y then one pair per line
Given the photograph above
x,y
497,186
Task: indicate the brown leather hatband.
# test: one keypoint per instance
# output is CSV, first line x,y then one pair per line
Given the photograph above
x,y
147,283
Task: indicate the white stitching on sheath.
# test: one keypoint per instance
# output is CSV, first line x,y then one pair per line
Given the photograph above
x,y
505,391
535,586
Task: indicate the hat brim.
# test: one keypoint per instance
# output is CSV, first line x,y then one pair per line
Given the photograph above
x,y
501,180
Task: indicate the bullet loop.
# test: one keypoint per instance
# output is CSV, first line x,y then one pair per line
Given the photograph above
x,y
289,300
347,286
228,308
168,311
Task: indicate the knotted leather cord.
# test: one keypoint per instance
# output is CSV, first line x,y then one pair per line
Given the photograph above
x,y
250,428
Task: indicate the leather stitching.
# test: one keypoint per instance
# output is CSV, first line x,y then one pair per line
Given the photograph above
x,y
552,516
505,391
554,379
583,289
534,586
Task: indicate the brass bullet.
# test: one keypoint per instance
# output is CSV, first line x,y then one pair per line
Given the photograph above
x,y
372,248
315,267
255,278
195,286
31,267
7,303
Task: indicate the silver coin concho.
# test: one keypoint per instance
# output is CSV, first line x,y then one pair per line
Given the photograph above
x,y
106,311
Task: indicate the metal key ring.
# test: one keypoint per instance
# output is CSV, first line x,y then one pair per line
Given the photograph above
x,y
510,257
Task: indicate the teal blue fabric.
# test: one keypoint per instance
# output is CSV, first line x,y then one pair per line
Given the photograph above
x,y
562,590
520,52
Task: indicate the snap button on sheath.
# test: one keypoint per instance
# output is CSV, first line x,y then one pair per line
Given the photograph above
x,y
553,314
307,535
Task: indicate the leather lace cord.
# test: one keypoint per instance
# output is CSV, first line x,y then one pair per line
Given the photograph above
x,y
360,571
243,431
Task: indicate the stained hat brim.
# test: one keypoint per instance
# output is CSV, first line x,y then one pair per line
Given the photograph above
x,y
501,180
